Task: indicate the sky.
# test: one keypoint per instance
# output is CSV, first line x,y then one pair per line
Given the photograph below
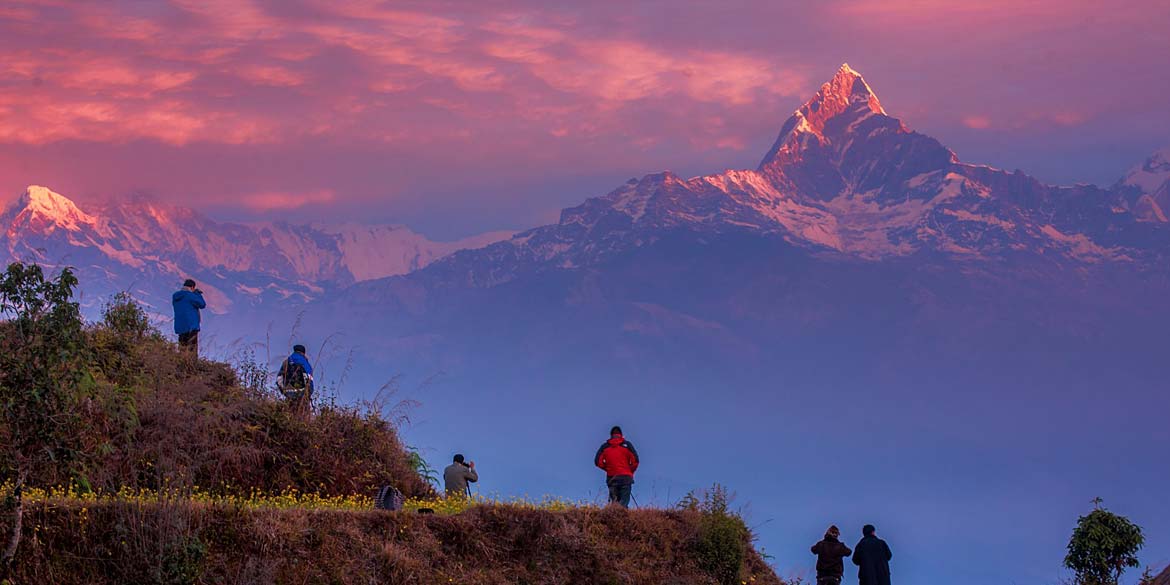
x,y
459,118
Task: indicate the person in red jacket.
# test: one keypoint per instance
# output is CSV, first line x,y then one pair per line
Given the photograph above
x,y
619,460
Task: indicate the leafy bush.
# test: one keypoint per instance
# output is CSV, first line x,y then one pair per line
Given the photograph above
x,y
1102,546
723,538
44,382
124,316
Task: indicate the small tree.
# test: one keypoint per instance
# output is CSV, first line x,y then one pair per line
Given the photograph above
x,y
1102,546
43,378
723,538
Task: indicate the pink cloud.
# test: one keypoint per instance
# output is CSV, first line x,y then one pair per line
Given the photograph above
x,y
977,122
269,75
270,201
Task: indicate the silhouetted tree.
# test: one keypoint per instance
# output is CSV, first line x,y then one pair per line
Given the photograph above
x,y
1102,547
43,379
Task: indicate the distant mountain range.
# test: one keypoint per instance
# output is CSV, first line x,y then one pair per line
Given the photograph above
x,y
148,249
848,195
850,219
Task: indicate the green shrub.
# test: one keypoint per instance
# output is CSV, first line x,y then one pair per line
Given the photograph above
x,y
125,316
182,561
723,538
1102,546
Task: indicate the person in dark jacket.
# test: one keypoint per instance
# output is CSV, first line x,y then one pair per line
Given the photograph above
x,y
872,556
619,460
458,476
830,551
295,379
187,303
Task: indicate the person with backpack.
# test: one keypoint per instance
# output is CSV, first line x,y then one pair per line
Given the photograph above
x,y
619,459
187,303
458,476
872,556
295,379
830,551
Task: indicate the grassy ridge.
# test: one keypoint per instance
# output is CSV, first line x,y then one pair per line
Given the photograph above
x,y
183,541
155,419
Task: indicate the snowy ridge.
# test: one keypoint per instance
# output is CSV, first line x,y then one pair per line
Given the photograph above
x,y
1151,181
144,243
845,177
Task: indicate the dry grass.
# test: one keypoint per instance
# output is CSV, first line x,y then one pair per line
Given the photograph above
x,y
160,420
186,542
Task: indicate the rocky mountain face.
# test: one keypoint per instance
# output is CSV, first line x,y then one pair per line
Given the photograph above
x,y
847,182
148,248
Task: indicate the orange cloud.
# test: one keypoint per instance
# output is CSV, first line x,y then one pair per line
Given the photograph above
x,y
977,122
270,201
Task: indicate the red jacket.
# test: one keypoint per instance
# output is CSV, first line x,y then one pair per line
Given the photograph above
x,y
617,457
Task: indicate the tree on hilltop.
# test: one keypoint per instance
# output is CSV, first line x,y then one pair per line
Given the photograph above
x,y
1102,547
43,380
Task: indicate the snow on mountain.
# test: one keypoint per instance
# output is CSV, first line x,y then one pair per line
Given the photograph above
x,y
843,177
370,252
1151,180
138,243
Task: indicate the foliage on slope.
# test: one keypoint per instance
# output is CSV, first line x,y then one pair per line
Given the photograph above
x,y
146,416
126,461
187,542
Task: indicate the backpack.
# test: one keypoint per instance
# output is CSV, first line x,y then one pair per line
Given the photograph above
x,y
389,498
293,375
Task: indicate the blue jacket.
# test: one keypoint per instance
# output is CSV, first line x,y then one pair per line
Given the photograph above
x,y
299,358
187,305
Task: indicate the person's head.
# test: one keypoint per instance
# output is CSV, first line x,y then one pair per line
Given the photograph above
x,y
458,458
189,284
868,530
833,532
298,348
616,430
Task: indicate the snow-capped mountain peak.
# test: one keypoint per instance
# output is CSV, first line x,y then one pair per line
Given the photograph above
x,y
846,93
1152,173
1151,180
846,178
42,209
136,243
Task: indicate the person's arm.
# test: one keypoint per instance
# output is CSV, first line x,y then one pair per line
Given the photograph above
x,y
889,554
815,548
198,301
858,557
599,459
471,475
634,461
846,549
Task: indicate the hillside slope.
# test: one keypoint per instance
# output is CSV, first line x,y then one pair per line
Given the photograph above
x,y
179,543
189,471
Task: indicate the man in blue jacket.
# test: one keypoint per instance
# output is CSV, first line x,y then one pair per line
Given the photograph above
x,y
187,303
295,379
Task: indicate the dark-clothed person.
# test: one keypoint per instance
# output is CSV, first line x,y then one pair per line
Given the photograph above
x,y
458,475
619,459
295,379
872,556
187,303
830,552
